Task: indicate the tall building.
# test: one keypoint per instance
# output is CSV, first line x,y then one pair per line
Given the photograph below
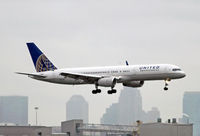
x,y
111,115
151,116
77,108
130,106
191,110
127,111
14,110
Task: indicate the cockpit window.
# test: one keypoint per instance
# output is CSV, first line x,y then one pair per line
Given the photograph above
x,y
176,69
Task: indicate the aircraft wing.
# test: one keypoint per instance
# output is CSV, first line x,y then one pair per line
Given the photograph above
x,y
85,77
32,75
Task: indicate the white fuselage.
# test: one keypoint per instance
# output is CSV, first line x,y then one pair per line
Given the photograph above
x,y
122,73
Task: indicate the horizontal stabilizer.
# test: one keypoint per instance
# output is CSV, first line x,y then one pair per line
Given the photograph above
x,y
32,75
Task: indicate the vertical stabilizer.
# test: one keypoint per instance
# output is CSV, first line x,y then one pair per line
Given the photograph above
x,y
40,61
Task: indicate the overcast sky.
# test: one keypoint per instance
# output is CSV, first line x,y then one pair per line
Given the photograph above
x,y
82,33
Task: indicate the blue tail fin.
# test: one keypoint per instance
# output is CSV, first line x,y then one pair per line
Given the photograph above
x,y
41,62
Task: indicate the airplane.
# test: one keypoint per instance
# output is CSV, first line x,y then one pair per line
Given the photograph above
x,y
108,76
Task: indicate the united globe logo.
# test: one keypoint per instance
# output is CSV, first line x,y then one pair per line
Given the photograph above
x,y
43,64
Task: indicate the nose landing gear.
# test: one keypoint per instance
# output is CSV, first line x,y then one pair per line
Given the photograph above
x,y
166,84
165,88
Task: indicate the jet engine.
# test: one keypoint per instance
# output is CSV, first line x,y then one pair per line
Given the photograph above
x,y
134,83
107,82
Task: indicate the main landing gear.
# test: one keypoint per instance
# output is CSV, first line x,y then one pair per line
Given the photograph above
x,y
96,90
166,84
99,90
112,91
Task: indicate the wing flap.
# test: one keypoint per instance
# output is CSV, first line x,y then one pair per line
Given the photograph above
x,y
85,77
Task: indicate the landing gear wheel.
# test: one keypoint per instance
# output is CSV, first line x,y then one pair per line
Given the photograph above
x,y
165,88
114,91
166,84
94,91
98,90
109,91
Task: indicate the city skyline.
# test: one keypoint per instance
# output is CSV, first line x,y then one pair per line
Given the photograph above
x,y
99,33
14,110
129,109
77,108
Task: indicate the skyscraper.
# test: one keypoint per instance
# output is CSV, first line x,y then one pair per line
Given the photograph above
x,y
111,115
130,104
127,111
77,108
152,115
191,110
14,109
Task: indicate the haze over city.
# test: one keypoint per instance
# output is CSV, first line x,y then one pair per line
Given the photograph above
x,y
99,33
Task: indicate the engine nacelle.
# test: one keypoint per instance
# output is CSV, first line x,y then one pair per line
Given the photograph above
x,y
107,82
134,84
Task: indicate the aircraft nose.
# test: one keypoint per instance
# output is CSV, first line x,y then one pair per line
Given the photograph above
x,y
183,74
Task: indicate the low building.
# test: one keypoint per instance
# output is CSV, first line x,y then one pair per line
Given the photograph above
x,y
166,129
71,127
25,131
78,128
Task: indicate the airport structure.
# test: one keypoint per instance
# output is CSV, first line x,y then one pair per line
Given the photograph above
x,y
166,129
14,110
77,108
78,128
25,131
191,110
